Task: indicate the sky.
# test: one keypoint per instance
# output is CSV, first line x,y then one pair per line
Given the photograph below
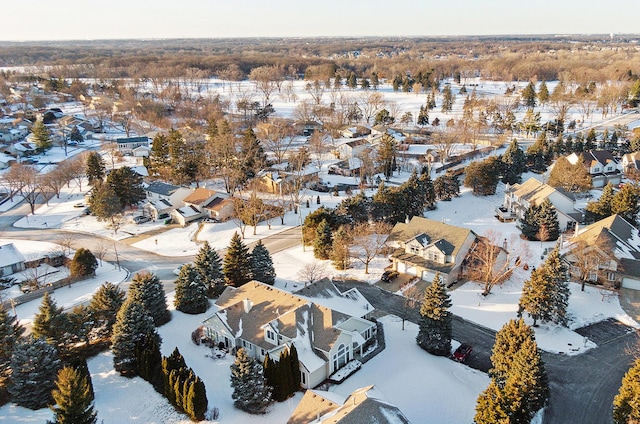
x,y
28,20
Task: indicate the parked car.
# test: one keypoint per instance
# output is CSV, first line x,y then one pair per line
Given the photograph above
x,y
79,205
141,219
462,352
389,275
163,215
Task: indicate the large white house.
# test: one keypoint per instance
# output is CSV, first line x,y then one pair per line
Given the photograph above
x,y
263,319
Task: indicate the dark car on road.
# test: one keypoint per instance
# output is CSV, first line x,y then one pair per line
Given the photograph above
x,y
389,275
462,352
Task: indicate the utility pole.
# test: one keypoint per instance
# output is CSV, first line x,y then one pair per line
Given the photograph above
x,y
115,249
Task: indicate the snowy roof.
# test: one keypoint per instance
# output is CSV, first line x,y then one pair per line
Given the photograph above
x,y
434,230
10,255
535,192
325,293
188,211
613,232
159,187
364,405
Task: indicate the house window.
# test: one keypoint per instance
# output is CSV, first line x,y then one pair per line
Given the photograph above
x,y
593,276
341,357
611,276
303,378
263,352
367,334
271,335
596,169
247,345
415,250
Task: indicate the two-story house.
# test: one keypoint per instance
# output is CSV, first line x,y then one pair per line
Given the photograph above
x,y
127,144
601,166
163,198
203,202
630,162
264,319
606,252
520,197
425,247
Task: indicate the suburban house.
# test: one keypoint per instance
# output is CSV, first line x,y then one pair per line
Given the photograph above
x,y
347,168
364,405
308,127
601,165
264,319
173,194
127,144
353,148
186,214
11,260
220,208
203,202
519,197
631,162
607,252
355,132
350,302
425,247
6,161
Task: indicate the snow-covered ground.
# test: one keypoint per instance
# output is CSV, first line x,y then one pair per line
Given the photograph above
x,y
425,388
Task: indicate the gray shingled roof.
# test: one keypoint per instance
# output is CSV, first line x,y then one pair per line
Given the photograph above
x,y
161,188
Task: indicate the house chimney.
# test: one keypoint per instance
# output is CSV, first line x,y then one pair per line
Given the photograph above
x,y
247,305
577,227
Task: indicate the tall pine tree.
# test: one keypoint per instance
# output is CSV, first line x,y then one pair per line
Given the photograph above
x,y
191,293
250,391
322,241
133,326
73,398
237,263
262,265
209,265
10,334
146,289
104,307
434,335
35,364
50,322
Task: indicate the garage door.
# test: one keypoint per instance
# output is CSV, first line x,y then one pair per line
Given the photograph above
x,y
401,267
428,276
630,283
411,270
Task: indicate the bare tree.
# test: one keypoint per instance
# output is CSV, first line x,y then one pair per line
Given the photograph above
x,y
267,78
370,103
411,301
101,250
29,183
276,136
67,240
445,143
312,272
490,264
368,241
589,260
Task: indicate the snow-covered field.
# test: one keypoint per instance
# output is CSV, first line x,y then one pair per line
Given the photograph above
x,y
425,388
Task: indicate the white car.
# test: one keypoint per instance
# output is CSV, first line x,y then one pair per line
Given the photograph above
x,y
178,268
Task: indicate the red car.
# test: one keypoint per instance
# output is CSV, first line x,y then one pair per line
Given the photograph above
x,y
462,352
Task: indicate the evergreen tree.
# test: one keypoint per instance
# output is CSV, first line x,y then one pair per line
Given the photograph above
x,y
41,136
529,95
237,263
323,240
209,265
514,163
509,340
528,381
262,265
149,361
133,326
529,224
536,298
105,203
446,187
10,334
352,81
543,93
557,270
250,391
196,403
172,363
50,322
571,178
73,398
75,135
104,307
491,406
146,289
127,185
434,335
83,264
294,362
423,116
625,203
96,170
548,218
339,255
447,99
387,155
191,293
601,208
34,364
626,407
482,177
